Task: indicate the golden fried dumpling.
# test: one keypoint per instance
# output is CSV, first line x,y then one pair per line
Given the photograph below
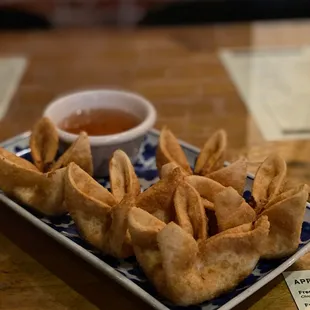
x,y
231,210
167,168
44,144
22,180
211,157
207,188
169,150
158,199
189,211
79,152
118,236
285,213
268,180
144,229
187,271
123,178
233,175
100,219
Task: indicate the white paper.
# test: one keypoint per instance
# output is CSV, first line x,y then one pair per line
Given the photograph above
x,y
298,283
11,71
275,86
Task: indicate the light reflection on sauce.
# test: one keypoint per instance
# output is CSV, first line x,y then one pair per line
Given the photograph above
x,y
98,122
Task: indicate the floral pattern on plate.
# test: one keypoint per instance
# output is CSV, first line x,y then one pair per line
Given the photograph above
x,y
146,171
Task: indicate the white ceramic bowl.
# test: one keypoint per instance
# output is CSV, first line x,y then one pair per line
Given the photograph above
x,y
102,147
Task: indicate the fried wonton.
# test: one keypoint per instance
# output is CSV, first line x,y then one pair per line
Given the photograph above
x,y
22,180
268,180
169,150
44,144
187,271
167,168
189,210
233,175
158,199
79,152
207,188
100,219
231,210
123,178
211,157
285,213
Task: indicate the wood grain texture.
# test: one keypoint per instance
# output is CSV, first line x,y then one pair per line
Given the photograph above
x,y
179,71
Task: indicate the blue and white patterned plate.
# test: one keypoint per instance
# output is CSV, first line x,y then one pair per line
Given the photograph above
x,y
127,272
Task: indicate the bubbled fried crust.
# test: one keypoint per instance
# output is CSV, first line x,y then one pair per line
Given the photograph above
x,y
268,180
170,151
233,175
187,271
44,144
285,213
193,235
39,191
212,155
218,265
231,209
158,199
207,188
123,179
79,153
100,219
189,211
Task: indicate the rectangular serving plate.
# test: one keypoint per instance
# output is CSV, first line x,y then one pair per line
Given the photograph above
x,y
126,272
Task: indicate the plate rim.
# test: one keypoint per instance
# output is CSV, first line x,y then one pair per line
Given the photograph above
x,y
117,276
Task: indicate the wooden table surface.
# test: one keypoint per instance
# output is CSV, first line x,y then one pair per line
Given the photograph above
x,y
179,71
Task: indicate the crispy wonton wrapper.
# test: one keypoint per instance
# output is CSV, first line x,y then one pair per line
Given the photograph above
x,y
169,150
100,219
22,180
207,188
231,209
233,175
44,144
268,180
189,272
189,210
211,157
285,213
158,199
123,178
167,169
79,152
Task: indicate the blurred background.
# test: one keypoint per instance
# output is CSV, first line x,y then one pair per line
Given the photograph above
x,y
45,14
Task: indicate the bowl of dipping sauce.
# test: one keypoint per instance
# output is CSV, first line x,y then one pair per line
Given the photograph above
x,y
113,120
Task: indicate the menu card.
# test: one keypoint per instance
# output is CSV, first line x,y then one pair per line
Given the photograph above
x,y
274,84
298,283
11,71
